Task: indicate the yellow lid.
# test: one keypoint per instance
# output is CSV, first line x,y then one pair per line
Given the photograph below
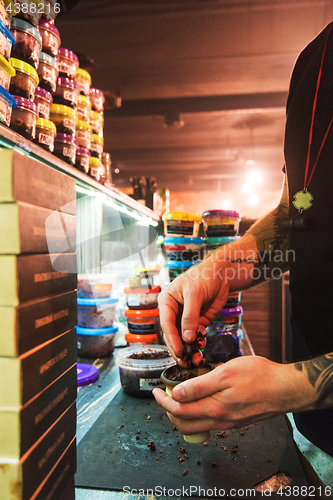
x,y
41,122
80,124
94,162
96,139
181,216
82,74
8,67
60,109
85,100
24,68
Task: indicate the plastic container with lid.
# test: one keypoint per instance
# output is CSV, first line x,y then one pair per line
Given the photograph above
x,y
65,148
6,73
180,248
7,103
230,318
66,92
68,63
142,297
220,222
96,146
95,167
214,242
7,40
45,134
97,99
86,374
47,72
24,116
97,122
233,300
181,224
29,10
6,10
178,267
50,37
25,80
90,285
140,368
96,342
44,100
83,134
221,346
82,159
135,339
64,119
83,81
51,10
83,108
28,42
143,320
96,313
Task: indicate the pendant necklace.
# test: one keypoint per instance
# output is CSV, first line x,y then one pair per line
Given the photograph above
x,y
303,199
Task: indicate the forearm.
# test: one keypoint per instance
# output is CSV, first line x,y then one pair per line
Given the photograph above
x,y
319,372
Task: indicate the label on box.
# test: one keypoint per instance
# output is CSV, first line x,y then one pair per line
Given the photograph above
x,y
148,384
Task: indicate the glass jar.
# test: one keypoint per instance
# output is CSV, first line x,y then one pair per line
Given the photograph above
x,y
220,222
64,119
50,37
83,80
97,122
66,92
7,103
47,72
28,42
95,166
51,10
83,108
68,63
97,99
24,116
25,80
6,73
43,100
7,40
45,134
96,146
83,134
28,10
82,159
64,148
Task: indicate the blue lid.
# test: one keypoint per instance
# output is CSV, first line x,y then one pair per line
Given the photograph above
x,y
96,331
181,263
9,98
181,240
222,240
232,311
86,374
7,33
23,25
48,59
97,302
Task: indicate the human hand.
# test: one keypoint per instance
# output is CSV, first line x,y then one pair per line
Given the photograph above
x,y
242,391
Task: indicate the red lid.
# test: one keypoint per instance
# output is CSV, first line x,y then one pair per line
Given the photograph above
x,y
144,313
142,289
132,337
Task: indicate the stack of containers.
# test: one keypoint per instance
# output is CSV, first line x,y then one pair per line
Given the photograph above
x,y
83,126
37,329
183,246
7,72
97,100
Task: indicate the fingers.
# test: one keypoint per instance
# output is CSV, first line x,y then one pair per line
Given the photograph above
x,y
200,387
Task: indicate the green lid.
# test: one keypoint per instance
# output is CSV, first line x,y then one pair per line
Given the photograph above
x,y
82,74
60,109
83,125
83,99
96,139
94,162
41,122
24,68
8,67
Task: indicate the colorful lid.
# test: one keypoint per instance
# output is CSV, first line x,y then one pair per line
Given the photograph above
x,y
132,337
5,31
80,124
39,92
60,109
51,61
142,289
181,240
85,100
232,311
22,102
95,162
49,26
83,74
24,68
65,138
8,97
181,216
221,213
178,264
86,374
68,53
97,93
95,301
67,82
220,240
96,139
80,330
41,122
141,313
27,27
82,151
7,67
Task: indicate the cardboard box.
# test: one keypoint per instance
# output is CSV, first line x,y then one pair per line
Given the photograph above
x,y
35,322
24,179
28,277
19,479
27,228
24,377
22,427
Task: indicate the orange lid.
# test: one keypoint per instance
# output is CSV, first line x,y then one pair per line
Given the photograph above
x,y
142,289
144,313
132,337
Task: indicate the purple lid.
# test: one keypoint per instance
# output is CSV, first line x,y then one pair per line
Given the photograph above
x,y
96,92
82,151
22,102
67,53
44,94
86,374
232,311
49,26
67,82
221,213
65,138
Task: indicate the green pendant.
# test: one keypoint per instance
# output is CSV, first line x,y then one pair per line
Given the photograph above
x,y
302,200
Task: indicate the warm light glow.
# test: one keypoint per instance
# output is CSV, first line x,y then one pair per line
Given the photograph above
x,y
253,199
226,205
250,162
246,188
254,178
116,170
